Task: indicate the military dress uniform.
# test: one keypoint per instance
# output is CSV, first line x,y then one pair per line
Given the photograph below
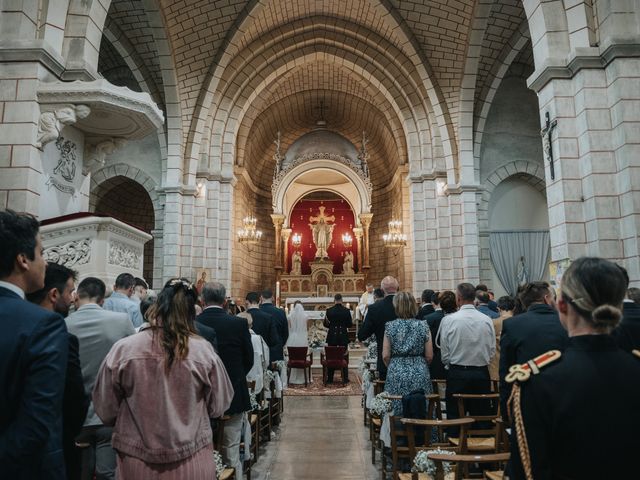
x,y
576,414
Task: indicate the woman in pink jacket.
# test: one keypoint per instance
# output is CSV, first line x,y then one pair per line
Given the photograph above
x,y
159,388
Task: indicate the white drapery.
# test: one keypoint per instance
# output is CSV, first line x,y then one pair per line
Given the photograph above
x,y
519,255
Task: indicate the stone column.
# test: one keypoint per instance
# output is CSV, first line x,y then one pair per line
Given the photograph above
x,y
286,233
278,220
357,232
365,219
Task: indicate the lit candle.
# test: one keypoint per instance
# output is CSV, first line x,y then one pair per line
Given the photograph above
x,y
277,294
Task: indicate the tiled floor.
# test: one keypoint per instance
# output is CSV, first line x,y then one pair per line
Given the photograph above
x,y
320,438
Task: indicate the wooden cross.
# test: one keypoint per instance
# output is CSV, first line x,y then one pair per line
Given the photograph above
x,y
546,133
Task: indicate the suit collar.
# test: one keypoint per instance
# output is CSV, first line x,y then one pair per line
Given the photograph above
x,y
540,307
16,290
89,306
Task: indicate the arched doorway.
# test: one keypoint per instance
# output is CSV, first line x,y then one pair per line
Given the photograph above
x,y
128,201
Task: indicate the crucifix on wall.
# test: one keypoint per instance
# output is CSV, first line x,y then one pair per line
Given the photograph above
x,y
546,133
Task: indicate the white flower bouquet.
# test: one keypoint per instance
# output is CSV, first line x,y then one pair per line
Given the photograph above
x,y
423,464
380,405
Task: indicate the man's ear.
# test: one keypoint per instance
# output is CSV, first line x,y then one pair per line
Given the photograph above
x,y
562,305
21,263
53,296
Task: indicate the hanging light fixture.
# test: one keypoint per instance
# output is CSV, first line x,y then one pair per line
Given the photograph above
x,y
347,240
249,234
395,238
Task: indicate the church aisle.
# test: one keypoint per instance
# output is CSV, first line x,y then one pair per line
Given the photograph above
x,y
320,438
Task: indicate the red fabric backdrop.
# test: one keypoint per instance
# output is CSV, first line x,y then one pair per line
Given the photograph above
x,y
344,222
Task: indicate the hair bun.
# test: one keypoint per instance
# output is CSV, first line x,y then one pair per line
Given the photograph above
x,y
606,316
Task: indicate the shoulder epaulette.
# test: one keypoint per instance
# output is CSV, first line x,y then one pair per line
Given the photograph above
x,y
636,353
522,372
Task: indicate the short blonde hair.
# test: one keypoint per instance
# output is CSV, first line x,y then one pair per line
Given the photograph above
x,y
405,305
247,316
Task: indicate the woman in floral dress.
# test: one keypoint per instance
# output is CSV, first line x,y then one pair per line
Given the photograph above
x,y
407,351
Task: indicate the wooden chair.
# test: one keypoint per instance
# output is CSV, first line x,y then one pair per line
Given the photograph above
x,y
275,407
255,437
264,419
336,358
463,462
412,426
298,359
483,436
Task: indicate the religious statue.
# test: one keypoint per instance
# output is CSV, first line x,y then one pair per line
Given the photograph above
x,y
296,263
322,232
51,123
347,264
522,273
201,282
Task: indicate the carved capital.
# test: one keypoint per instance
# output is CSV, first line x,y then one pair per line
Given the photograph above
x,y
357,231
365,218
285,234
277,219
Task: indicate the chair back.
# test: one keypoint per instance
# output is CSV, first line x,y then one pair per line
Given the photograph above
x,y
488,405
335,356
463,461
298,354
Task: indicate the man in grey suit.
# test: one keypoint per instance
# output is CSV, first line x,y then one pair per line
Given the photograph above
x,y
97,330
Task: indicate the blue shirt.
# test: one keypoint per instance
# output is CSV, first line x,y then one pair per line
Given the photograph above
x,y
118,302
487,311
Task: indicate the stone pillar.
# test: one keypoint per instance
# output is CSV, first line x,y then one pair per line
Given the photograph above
x,y
365,219
286,233
357,232
278,220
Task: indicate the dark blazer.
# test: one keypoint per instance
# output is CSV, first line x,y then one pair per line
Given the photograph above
x,y
235,350
627,333
378,315
265,326
526,336
282,326
426,309
436,369
208,333
338,320
493,305
74,407
33,362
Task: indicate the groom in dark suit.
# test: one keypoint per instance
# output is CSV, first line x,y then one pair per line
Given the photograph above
x,y
280,319
338,320
33,359
236,351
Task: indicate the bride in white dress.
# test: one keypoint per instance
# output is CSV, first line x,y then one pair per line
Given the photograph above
x,y
298,337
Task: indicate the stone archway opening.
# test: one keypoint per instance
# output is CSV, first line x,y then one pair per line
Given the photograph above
x,y
128,201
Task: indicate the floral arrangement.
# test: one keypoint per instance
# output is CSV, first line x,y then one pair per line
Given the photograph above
x,y
269,376
423,464
280,365
372,349
220,466
316,343
380,405
366,374
254,402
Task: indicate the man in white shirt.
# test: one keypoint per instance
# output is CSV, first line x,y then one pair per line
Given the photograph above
x,y
365,300
467,343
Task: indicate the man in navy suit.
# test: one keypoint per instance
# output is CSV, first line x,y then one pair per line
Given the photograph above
x,y
33,359
236,351
280,319
377,317
263,323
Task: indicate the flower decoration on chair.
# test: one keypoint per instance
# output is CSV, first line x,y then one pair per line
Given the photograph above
x,y
395,238
423,464
372,350
380,405
220,466
249,234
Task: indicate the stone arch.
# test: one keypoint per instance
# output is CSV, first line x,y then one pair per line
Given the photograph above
x,y
132,173
215,78
532,173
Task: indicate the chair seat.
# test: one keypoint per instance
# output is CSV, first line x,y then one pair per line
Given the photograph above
x,y
335,363
298,364
426,476
497,475
227,473
477,444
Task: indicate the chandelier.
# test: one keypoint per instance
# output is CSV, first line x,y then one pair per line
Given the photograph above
x,y
347,240
296,240
395,238
248,234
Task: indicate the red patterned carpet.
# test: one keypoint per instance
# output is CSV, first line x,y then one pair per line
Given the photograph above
x,y
317,389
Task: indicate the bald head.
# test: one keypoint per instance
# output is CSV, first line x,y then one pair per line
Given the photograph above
x,y
389,285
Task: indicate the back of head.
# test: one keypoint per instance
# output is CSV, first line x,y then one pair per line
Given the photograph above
x,y
18,235
337,298
466,292
92,289
482,287
253,297
633,294
405,305
482,296
214,293
506,303
174,315
125,281
266,294
139,282
389,285
435,298
56,277
378,294
426,295
447,301
595,288
534,292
